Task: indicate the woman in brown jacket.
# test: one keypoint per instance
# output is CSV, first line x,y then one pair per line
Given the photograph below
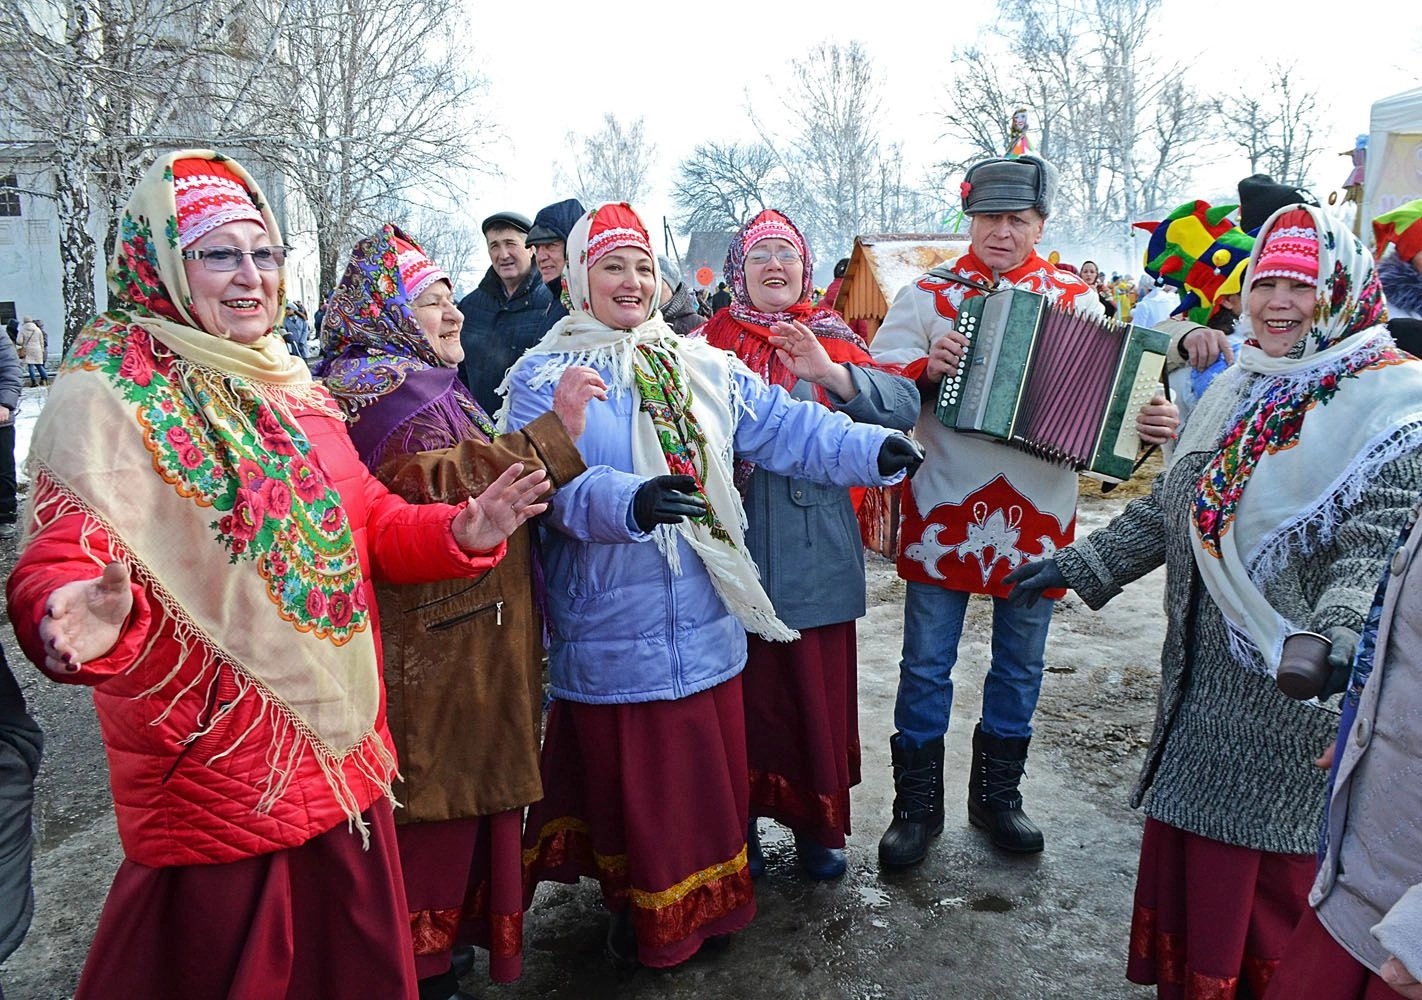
x,y
462,659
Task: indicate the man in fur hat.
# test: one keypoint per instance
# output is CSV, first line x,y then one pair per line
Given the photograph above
x,y
975,510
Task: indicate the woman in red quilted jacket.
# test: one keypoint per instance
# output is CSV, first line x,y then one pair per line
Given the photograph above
x,y
201,539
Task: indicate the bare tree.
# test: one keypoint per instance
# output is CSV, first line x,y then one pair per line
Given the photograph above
x,y
720,185
828,144
352,132
1275,129
1115,119
612,164
90,89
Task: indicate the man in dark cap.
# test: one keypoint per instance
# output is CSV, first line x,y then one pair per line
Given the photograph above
x,y
975,510
548,239
507,313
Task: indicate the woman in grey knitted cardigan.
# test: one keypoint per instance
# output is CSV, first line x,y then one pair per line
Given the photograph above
x,y
1321,420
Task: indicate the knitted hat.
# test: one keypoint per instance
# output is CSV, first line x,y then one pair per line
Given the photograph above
x,y
209,195
1009,185
615,225
671,274
1399,227
1290,249
1260,196
417,271
770,224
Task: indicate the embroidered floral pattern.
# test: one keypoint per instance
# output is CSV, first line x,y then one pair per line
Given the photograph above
x,y
667,400
231,451
1273,423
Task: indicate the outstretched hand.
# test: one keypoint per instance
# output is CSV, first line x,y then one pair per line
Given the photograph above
x,y
82,619
497,513
899,453
570,399
1030,579
801,351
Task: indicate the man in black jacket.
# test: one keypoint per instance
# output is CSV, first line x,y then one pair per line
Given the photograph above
x,y
507,313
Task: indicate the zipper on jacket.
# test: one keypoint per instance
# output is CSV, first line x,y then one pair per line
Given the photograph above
x,y
497,607
677,687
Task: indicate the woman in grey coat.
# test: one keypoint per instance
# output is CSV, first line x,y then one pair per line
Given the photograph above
x,y
1289,486
802,714
1363,936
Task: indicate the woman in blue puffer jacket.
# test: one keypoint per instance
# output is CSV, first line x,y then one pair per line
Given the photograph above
x,y
651,591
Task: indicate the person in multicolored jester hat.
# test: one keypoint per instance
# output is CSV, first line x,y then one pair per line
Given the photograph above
x,y
977,509
1290,485
1200,251
1401,271
201,541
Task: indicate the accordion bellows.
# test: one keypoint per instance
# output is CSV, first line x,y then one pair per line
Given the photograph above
x,y
1055,383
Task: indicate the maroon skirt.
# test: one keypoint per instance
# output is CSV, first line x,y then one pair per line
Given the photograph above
x,y
1208,914
464,882
1318,967
321,920
802,730
650,800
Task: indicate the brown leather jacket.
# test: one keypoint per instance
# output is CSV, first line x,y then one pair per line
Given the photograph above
x,y
463,658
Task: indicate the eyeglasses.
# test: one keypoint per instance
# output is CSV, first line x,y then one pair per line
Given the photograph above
x,y
786,256
230,258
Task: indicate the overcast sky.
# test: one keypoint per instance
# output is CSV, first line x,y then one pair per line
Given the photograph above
x,y
557,66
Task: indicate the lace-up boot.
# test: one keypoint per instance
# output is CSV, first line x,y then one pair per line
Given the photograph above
x,y
994,802
918,802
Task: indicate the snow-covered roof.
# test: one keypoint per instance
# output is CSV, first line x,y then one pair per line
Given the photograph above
x,y
893,260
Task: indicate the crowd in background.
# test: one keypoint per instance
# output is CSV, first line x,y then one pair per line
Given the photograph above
x,y
323,559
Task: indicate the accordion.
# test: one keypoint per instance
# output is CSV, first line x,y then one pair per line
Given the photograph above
x,y
1055,383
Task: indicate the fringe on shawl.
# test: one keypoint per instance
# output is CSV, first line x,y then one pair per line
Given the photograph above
x,y
619,360
286,399
291,739
1314,527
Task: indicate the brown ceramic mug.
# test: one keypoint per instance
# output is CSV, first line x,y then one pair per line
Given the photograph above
x,y
1303,665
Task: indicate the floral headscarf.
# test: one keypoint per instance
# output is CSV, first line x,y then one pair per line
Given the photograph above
x,y
375,352
213,497
744,329
1305,435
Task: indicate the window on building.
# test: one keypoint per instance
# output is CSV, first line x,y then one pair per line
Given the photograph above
x,y
7,313
9,197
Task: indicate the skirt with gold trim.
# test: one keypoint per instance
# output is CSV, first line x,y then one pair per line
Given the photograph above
x,y
652,800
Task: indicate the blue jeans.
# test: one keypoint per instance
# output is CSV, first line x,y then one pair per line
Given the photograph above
x,y
933,624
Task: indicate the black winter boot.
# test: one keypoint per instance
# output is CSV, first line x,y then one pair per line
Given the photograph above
x,y
994,803
918,802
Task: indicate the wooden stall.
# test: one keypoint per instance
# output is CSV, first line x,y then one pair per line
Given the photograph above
x,y
882,263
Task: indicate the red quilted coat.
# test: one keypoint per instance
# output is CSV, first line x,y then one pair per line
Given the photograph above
x,y
177,805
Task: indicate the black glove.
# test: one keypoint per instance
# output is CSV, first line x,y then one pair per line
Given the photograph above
x,y
899,452
1340,660
666,500
1030,579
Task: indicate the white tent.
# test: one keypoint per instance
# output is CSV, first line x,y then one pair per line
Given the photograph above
x,y
1394,171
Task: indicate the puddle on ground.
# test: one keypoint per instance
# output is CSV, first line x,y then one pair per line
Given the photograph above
x,y
990,904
